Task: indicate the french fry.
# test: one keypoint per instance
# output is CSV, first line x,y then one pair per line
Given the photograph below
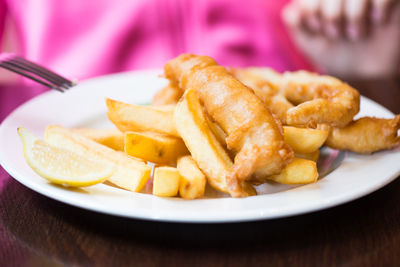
x,y
304,140
113,138
128,117
130,174
208,153
299,171
166,108
193,181
166,181
311,156
154,147
217,131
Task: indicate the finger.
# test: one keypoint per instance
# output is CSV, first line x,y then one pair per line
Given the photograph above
x,y
310,14
291,15
356,18
381,10
332,13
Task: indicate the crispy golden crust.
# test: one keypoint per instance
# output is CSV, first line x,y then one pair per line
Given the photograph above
x,y
319,98
168,95
366,135
265,83
252,131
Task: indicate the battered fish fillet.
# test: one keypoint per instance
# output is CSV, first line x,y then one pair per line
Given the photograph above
x,y
265,83
252,131
168,95
366,135
319,98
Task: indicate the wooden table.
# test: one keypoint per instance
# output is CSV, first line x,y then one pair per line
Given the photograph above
x,y
38,231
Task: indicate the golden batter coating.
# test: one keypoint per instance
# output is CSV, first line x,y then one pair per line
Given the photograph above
x,y
319,98
168,95
366,135
252,131
265,82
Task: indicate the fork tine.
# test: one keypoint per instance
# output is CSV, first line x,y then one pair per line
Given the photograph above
x,y
41,71
41,74
16,70
25,68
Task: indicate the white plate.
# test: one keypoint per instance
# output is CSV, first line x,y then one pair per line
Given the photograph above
x,y
83,106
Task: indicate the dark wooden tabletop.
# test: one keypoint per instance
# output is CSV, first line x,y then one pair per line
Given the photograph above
x,y
38,231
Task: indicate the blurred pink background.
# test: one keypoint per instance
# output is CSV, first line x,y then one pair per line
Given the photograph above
x,y
82,39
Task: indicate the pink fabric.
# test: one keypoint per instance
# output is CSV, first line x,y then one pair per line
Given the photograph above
x,y
82,39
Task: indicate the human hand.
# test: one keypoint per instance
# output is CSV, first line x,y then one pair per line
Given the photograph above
x,y
348,38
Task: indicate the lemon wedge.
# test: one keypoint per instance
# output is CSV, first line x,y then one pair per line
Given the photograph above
x,y
62,166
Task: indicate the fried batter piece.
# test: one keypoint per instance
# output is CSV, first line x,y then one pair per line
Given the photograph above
x,y
265,82
366,135
252,131
320,99
168,95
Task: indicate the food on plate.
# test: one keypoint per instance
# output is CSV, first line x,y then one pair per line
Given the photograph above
x,y
204,147
154,147
113,138
166,181
130,173
217,131
366,135
311,156
169,95
63,166
299,171
304,140
252,131
128,117
265,83
321,98
231,129
318,99
193,181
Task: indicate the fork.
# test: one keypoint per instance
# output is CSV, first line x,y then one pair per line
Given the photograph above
x,y
35,72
